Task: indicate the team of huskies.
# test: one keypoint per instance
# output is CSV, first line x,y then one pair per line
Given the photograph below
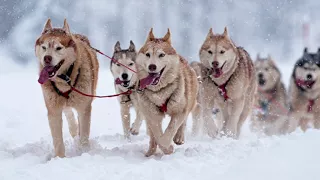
x,y
220,91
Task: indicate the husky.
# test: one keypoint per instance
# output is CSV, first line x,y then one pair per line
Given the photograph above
x,y
304,92
271,99
167,86
65,60
228,83
124,80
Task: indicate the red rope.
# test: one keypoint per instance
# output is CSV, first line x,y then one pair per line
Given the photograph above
x,y
98,51
107,96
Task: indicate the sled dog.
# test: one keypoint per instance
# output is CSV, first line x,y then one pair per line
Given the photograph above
x,y
304,92
66,59
227,83
124,80
271,100
168,86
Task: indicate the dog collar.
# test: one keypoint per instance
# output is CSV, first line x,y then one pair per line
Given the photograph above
x,y
66,77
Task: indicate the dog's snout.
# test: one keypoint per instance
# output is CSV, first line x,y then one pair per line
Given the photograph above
x,y
260,75
47,59
215,64
309,76
152,67
124,76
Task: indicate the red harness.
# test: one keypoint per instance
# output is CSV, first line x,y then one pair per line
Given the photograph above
x,y
222,89
308,84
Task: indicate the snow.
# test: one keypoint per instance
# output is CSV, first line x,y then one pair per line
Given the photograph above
x,y
26,146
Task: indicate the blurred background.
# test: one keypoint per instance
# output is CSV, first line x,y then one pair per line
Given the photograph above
x,y
281,28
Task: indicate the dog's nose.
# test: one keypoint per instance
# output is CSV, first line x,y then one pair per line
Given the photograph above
x,y
47,59
260,75
124,76
215,64
152,67
309,76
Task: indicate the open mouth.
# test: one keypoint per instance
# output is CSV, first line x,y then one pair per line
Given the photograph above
x,y
151,79
49,72
217,72
122,83
305,83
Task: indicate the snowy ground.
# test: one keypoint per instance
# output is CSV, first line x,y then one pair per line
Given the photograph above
x,y
26,145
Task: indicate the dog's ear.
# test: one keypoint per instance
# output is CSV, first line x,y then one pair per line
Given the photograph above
x,y
318,51
225,32
305,50
66,27
150,36
132,47
117,47
167,37
210,34
47,26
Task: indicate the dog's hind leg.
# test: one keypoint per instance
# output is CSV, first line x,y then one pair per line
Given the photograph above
x,y
84,116
125,116
72,122
55,122
179,137
196,120
137,123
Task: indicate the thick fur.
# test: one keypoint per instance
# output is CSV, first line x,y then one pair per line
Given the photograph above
x,y
299,97
75,50
271,99
128,58
178,85
238,73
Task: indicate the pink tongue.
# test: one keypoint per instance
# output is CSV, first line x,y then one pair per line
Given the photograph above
x,y
217,72
147,80
118,81
45,74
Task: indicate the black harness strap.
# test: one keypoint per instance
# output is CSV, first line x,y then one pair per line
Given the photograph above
x,y
66,77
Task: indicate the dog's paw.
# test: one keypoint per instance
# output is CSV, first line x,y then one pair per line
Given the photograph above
x,y
179,139
168,150
134,130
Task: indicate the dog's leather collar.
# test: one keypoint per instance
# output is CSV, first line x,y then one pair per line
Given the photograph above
x,y
66,77
128,96
222,89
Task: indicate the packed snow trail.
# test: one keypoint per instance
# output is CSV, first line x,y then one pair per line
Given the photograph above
x,y
26,146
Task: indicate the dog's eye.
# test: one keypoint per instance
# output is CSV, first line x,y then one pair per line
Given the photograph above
x,y
161,55
148,54
131,64
44,48
58,48
267,69
117,64
210,52
222,52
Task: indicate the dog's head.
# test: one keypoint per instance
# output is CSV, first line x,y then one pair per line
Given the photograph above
x,y
307,71
268,74
127,57
218,53
55,50
155,59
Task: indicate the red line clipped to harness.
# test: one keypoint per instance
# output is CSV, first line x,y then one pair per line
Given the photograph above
x,y
107,96
98,51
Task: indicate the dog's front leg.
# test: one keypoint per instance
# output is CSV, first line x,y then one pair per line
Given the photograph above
x,y
235,109
137,123
176,121
84,113
125,116
197,120
55,122
209,125
152,144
